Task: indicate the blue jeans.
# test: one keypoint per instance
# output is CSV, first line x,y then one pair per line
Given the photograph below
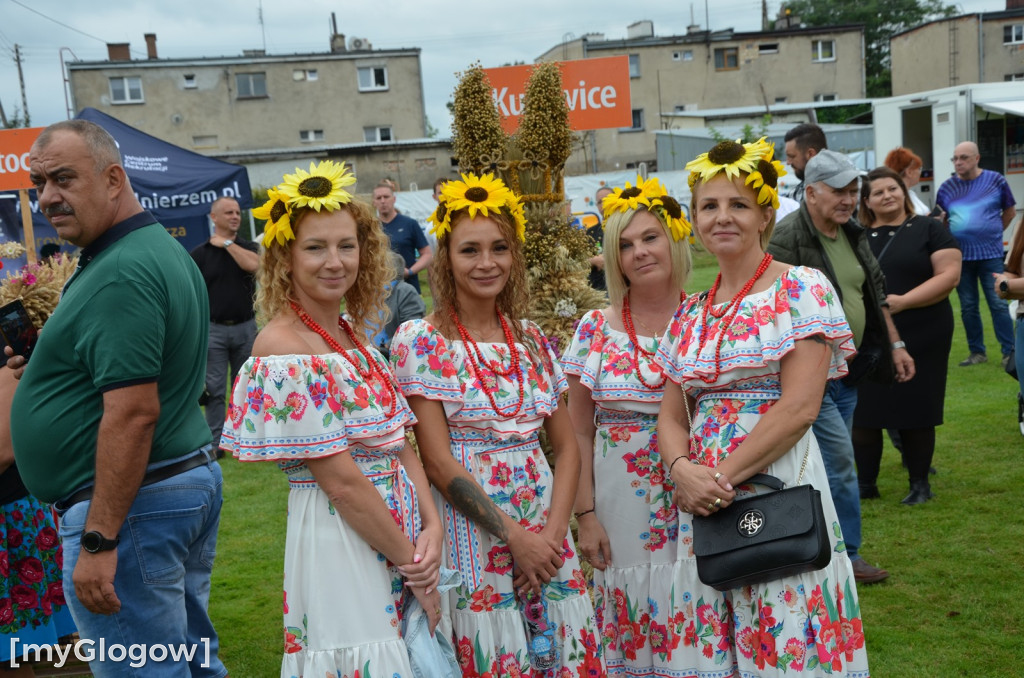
x,y
971,274
164,560
833,429
1019,354
230,346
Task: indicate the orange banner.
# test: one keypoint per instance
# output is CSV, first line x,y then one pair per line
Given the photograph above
x,y
596,90
14,147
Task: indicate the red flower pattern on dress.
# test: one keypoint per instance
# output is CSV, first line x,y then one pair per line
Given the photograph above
x,y
499,560
501,474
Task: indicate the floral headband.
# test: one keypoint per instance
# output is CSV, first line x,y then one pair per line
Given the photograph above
x,y
479,194
321,187
754,159
653,197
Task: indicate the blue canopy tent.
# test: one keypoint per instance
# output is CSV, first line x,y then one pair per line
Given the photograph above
x,y
176,185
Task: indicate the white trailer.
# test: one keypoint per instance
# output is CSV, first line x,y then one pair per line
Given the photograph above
x,y
932,123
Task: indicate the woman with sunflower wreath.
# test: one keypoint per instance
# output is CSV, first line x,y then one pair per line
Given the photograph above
x,y
628,523
482,384
324,406
750,358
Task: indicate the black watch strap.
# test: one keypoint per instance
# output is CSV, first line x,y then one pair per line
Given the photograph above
x,y
94,542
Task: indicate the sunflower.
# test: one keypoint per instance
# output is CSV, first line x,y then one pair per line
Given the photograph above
x,y
323,186
627,198
483,194
668,209
278,217
765,180
732,157
479,195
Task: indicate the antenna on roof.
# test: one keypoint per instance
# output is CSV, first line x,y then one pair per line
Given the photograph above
x,y
263,28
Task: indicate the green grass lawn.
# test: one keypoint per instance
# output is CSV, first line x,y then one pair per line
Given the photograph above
x,y
950,607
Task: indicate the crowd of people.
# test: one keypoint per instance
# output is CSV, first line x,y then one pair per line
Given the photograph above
x,y
414,442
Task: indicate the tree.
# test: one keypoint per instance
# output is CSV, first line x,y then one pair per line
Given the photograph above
x,y
881,18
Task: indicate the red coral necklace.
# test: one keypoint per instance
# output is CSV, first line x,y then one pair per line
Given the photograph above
x,y
476,357
627,322
729,313
374,368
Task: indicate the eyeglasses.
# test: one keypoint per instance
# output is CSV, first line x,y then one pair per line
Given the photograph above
x,y
961,158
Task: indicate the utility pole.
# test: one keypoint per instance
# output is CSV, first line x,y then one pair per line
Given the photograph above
x,y
21,81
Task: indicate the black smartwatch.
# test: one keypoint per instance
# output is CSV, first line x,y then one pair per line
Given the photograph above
x,y
94,542
1004,287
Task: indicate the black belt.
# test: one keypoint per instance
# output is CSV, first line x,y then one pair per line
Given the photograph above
x,y
202,457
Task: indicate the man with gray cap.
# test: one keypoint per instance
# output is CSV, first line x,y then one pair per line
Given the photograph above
x,y
823,234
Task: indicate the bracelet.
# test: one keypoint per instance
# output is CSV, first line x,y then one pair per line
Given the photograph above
x,y
669,474
898,344
583,513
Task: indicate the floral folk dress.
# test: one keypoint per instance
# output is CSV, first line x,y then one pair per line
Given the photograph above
x,y
808,624
655,618
504,456
32,606
342,599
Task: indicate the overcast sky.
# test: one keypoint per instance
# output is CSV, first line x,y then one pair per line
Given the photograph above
x,y
451,35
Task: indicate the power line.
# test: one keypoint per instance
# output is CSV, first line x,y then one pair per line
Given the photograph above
x,y
71,28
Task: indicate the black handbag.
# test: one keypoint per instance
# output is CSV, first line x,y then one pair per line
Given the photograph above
x,y
762,538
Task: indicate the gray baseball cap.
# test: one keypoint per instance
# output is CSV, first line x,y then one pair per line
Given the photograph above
x,y
835,169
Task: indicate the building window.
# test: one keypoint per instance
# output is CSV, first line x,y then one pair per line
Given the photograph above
x,y
727,58
190,81
126,90
780,100
309,74
768,48
204,141
373,78
312,75
1013,77
685,55
637,124
634,65
824,97
1013,34
823,50
375,134
308,135
251,85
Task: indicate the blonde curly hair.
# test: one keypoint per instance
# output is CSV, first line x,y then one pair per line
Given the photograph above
x,y
365,299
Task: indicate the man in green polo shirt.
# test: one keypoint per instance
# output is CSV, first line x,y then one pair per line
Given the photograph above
x,y
106,422
823,234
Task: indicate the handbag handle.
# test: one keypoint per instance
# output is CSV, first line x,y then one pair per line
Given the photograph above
x,y
766,480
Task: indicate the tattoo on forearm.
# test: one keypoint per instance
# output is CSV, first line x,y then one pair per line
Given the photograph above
x,y
473,502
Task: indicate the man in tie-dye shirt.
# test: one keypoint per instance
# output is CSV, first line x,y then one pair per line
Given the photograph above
x,y
979,206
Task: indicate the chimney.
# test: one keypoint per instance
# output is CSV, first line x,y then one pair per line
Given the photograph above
x,y
337,39
151,45
640,29
119,51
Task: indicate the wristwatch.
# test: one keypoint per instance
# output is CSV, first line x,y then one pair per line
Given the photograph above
x,y
1004,286
94,542
228,243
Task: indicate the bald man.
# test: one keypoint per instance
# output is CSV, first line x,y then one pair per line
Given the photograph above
x,y
979,206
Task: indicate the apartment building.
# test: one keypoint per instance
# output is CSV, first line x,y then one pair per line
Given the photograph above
x,y
219,105
714,69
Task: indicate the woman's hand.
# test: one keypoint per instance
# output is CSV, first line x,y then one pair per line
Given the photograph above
x,y
536,559
431,603
895,302
700,490
593,542
424,571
